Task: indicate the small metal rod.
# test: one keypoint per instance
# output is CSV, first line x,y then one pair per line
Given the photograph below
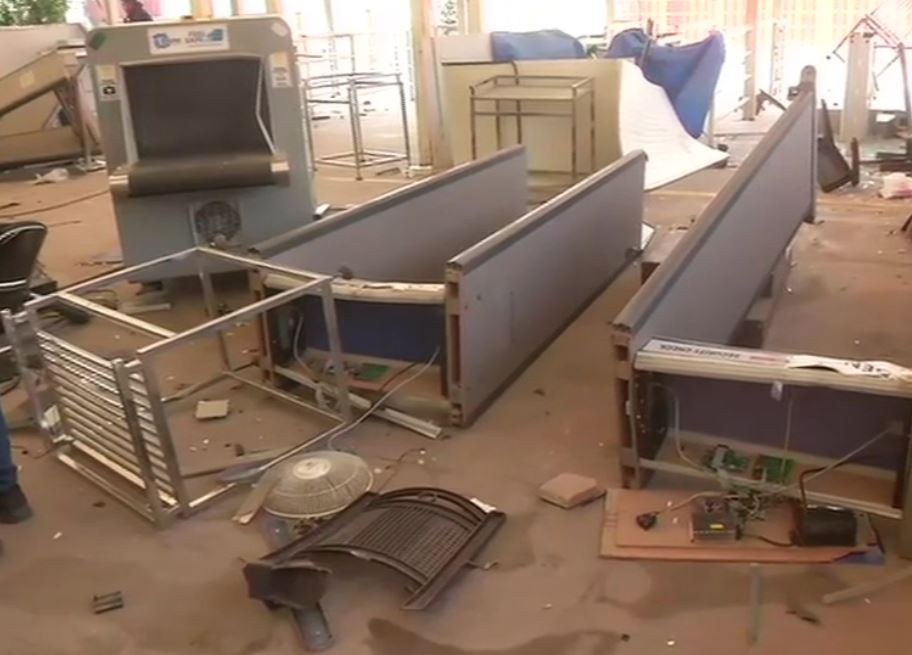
x,y
201,502
593,167
335,348
355,117
403,109
260,265
224,322
140,453
756,603
498,129
473,113
308,125
574,149
163,428
113,315
27,376
211,301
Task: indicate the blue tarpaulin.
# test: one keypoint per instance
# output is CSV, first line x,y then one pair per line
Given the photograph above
x,y
688,73
543,44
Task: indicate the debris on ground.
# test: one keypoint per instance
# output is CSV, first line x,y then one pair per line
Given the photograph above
x,y
207,410
896,185
102,603
568,490
137,307
52,176
797,608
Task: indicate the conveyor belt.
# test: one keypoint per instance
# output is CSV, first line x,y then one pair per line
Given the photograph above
x,y
180,175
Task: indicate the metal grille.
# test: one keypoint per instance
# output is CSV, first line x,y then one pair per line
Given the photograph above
x,y
94,417
426,534
418,537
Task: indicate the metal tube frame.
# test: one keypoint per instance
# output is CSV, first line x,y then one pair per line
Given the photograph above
x,y
360,156
578,88
136,444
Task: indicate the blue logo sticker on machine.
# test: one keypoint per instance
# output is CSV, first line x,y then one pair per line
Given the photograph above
x,y
187,38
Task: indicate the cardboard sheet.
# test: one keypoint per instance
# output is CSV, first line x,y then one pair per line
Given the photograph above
x,y
647,121
623,539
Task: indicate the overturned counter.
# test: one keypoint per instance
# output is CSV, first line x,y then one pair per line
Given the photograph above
x,y
452,272
683,388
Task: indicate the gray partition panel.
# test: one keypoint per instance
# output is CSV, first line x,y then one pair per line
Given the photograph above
x,y
823,422
511,294
707,284
408,235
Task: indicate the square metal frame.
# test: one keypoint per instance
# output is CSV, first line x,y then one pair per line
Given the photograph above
x,y
112,410
351,84
555,90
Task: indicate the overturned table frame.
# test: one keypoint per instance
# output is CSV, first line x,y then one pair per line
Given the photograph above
x,y
350,85
106,417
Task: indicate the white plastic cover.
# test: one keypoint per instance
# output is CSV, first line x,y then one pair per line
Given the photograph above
x,y
648,122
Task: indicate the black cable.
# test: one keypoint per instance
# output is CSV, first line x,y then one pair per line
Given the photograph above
x,y
396,375
801,476
772,542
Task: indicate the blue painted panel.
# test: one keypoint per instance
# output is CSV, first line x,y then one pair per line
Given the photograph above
x,y
401,331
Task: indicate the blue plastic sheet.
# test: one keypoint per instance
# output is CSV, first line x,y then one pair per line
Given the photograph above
x,y
543,44
688,73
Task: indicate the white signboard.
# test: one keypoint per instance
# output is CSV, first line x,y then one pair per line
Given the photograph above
x,y
173,40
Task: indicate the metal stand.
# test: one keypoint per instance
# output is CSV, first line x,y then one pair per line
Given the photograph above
x,y
854,124
756,603
878,24
350,85
107,418
507,93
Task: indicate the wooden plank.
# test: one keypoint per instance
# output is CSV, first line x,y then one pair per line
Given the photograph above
x,y
671,542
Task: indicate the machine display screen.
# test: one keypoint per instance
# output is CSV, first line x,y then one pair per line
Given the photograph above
x,y
197,108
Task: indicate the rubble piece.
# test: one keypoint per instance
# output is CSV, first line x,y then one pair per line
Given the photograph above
x,y
568,490
102,603
211,409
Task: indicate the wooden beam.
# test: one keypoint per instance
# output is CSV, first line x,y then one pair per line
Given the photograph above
x,y
423,67
751,42
474,16
112,11
201,8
